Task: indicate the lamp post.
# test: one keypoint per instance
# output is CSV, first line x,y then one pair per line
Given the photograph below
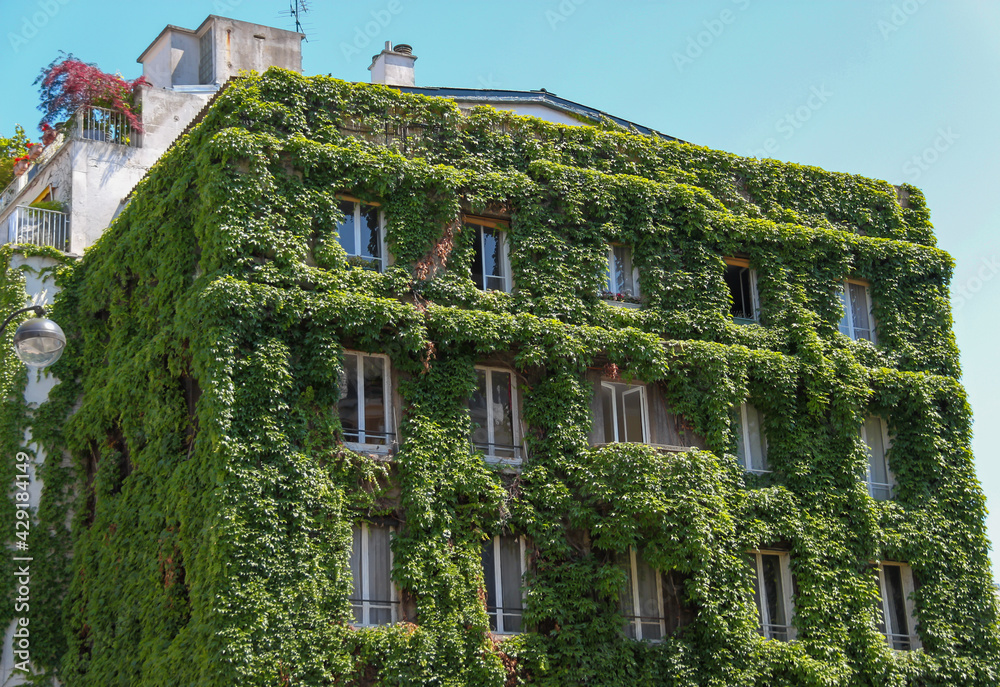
x,y
38,342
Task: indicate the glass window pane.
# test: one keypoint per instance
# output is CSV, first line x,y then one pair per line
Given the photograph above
x,y
510,579
738,281
371,243
379,564
477,254
503,419
632,414
755,441
347,406
609,414
356,574
479,413
896,601
774,594
623,282
878,472
845,322
374,381
346,229
650,613
489,582
625,600
859,312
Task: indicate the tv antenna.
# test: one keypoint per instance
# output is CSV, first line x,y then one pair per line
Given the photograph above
x,y
296,9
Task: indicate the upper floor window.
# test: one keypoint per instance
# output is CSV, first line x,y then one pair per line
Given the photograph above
x,y
772,592
894,613
622,276
491,258
624,413
373,596
751,444
364,405
503,570
878,476
362,234
857,321
641,599
493,410
742,283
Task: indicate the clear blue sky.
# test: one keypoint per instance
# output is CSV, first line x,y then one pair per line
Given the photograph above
x,y
903,90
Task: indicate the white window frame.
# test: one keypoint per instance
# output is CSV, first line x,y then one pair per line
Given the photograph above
x,y
754,297
381,262
390,426
891,635
848,314
501,229
612,273
636,619
498,610
744,438
873,487
644,403
365,602
767,628
515,420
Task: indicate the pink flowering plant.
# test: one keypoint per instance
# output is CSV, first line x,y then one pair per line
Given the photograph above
x,y
68,84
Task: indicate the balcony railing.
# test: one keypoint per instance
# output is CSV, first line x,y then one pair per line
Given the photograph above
x,y
38,227
103,124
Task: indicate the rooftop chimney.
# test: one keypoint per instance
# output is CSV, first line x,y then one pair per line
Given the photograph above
x,y
393,66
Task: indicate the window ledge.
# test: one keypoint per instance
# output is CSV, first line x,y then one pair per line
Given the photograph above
x,y
744,320
622,304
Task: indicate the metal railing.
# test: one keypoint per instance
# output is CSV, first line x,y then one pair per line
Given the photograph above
x,y
15,186
38,227
103,124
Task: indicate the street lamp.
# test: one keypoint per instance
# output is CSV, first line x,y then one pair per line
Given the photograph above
x,y
38,342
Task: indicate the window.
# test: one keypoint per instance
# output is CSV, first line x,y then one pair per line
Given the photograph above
x,y
751,444
641,599
361,234
491,262
772,586
879,478
894,613
373,596
364,405
493,410
623,277
503,569
742,283
857,322
624,412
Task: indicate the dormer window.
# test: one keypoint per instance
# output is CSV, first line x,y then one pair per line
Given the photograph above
x,y
491,258
742,282
622,276
857,321
362,234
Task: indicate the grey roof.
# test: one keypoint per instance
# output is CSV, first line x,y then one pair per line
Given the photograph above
x,y
489,96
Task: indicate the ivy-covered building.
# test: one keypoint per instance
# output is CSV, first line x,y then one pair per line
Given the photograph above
x,y
365,388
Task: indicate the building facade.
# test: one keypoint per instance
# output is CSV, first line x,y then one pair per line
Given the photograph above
x,y
371,387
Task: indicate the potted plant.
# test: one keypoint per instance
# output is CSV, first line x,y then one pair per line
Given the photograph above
x,y
35,150
70,86
48,134
21,164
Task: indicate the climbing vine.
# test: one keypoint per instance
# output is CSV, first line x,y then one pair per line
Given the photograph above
x,y
212,496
